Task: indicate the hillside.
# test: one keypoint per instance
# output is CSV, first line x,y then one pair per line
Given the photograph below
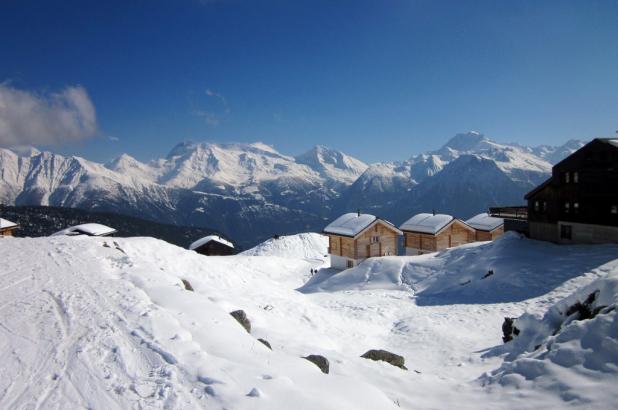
x,y
251,191
37,221
86,322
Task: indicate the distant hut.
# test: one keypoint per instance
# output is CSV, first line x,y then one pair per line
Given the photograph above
x,y
487,227
7,227
354,237
89,229
213,245
425,233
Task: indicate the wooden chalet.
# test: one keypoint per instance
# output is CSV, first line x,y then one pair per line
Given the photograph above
x,y
213,245
486,227
579,202
425,233
354,237
7,227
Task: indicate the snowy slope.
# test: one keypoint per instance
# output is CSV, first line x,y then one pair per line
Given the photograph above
x,y
106,323
313,246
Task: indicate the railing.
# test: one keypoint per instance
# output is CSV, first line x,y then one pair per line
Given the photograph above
x,y
510,212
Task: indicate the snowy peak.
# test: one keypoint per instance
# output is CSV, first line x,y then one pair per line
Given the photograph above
x,y
332,164
466,142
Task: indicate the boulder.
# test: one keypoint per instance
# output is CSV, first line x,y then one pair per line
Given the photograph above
x,y
265,343
508,329
241,317
386,356
187,285
320,361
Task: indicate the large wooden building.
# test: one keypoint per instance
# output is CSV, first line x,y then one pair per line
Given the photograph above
x,y
486,227
354,237
7,227
579,203
425,233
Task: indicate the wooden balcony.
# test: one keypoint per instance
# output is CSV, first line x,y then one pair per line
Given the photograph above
x,y
510,212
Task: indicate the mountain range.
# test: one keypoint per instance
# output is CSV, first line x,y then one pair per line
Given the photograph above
x,y
251,191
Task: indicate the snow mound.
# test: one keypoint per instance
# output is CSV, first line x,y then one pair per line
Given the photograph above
x,y
571,353
299,246
509,269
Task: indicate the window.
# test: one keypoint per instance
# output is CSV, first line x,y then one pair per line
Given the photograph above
x,y
349,264
567,177
575,207
566,231
614,209
375,239
575,177
537,206
567,207
544,206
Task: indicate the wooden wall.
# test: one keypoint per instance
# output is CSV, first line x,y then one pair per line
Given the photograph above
x,y
361,247
455,234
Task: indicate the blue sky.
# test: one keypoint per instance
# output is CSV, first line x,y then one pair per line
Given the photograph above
x,y
380,80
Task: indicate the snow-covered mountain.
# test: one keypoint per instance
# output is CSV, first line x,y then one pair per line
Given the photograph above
x,y
251,191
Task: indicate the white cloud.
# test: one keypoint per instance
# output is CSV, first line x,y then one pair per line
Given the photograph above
x,y
28,118
214,117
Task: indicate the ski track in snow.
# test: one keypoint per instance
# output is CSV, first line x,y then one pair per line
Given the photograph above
x,y
105,323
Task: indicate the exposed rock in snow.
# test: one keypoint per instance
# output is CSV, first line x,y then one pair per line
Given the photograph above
x,y
320,361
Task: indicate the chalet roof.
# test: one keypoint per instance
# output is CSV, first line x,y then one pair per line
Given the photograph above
x,y
426,223
353,223
484,222
538,188
4,224
350,224
90,229
203,241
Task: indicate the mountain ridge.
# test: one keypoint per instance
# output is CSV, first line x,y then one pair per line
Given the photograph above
x,y
250,191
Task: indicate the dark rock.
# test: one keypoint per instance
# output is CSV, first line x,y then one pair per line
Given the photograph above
x,y
386,356
241,317
584,310
265,343
320,361
187,285
508,329
488,274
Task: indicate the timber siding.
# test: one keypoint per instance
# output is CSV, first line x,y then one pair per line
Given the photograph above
x,y
456,233
378,239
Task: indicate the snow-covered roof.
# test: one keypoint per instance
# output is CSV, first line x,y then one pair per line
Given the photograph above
x,y
4,223
426,223
350,224
209,238
90,229
484,222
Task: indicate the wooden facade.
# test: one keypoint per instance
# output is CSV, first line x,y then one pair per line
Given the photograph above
x,y
455,233
378,239
215,248
579,203
482,236
7,231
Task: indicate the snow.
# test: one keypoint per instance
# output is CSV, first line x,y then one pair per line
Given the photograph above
x,y
99,323
5,223
484,222
91,229
308,246
427,223
206,239
350,224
